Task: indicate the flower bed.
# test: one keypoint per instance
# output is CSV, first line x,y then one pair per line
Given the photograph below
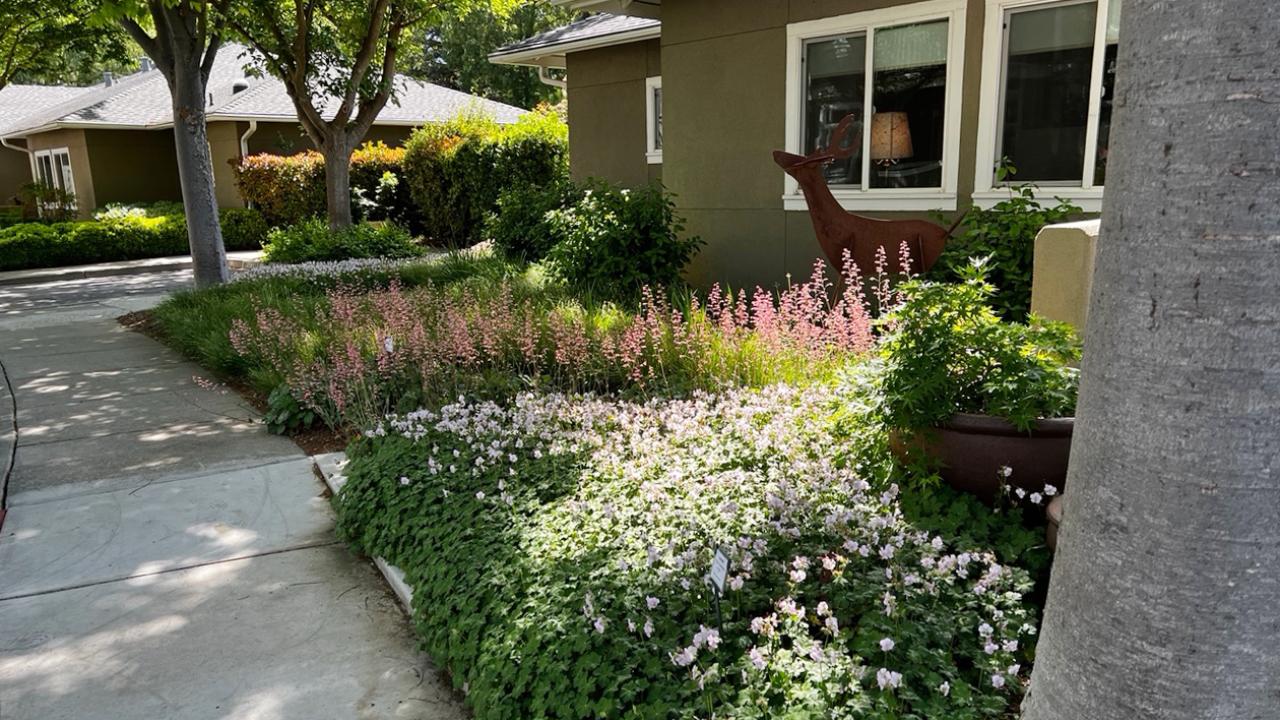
x,y
360,354
557,547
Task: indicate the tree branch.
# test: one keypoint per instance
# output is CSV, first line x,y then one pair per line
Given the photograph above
x,y
368,46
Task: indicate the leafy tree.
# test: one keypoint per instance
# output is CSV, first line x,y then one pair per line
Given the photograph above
x,y
46,40
1163,597
182,37
457,52
337,58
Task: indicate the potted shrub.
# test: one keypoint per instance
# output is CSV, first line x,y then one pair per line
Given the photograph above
x,y
973,394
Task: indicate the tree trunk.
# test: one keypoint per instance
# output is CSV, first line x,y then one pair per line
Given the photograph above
x,y
337,181
195,172
1165,595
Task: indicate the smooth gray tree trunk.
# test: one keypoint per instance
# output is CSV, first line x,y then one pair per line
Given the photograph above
x,y
195,172
1164,601
337,180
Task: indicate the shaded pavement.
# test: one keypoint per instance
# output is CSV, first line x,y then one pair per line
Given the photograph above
x,y
163,556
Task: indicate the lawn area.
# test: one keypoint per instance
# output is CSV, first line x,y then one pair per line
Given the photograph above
x,y
555,471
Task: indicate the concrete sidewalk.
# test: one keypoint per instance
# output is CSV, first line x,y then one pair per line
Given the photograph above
x,y
238,260
164,557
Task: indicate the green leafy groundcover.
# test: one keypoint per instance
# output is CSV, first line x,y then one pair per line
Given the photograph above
x,y
557,546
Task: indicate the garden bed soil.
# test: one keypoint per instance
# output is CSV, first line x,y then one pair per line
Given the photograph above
x,y
313,442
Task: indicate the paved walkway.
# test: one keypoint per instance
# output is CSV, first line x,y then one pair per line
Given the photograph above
x,y
164,557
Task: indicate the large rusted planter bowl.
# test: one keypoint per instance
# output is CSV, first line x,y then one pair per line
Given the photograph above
x,y
970,451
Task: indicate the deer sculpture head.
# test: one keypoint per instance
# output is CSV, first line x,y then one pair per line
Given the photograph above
x,y
810,166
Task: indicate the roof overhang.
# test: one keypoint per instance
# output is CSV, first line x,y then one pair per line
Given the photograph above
x,y
553,55
638,8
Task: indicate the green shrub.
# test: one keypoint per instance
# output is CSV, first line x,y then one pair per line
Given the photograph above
x,y
521,227
1006,234
10,215
312,240
123,233
456,170
949,352
289,189
614,241
243,229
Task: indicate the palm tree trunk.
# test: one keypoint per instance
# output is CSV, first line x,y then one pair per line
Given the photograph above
x,y
1165,595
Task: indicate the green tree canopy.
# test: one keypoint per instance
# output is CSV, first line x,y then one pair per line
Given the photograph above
x,y
52,41
456,52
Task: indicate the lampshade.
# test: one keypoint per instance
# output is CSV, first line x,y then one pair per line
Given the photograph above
x,y
890,136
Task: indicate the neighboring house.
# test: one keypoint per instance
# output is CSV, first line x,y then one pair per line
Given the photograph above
x,y
114,142
16,102
699,93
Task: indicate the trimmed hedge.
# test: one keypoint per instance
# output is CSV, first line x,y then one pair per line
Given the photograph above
x,y
130,237
312,240
290,189
457,170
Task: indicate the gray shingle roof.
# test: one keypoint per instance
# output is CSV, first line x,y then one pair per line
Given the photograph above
x,y
142,100
415,102
18,101
593,27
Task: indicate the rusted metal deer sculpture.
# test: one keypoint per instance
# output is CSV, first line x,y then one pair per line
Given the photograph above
x,y
839,230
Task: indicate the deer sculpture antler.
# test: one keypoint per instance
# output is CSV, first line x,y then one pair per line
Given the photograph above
x,y
839,230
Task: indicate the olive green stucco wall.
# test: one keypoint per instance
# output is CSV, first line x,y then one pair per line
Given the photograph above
x,y
607,113
133,166
15,171
724,99
280,138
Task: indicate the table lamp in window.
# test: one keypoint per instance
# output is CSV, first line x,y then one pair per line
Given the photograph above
x,y
890,138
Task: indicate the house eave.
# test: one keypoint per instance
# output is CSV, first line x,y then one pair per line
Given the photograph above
x,y
553,56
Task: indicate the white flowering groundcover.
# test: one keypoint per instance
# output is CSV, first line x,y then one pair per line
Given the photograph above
x,y
558,546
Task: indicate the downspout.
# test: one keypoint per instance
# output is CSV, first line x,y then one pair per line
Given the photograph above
x,y
244,139
548,80
31,160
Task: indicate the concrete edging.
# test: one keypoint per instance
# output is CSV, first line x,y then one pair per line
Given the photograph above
x,y
330,465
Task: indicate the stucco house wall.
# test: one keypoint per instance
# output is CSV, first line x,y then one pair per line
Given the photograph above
x,y
132,166
15,171
607,113
725,91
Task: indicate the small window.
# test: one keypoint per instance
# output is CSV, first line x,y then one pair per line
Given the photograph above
x,y
653,122
52,168
1048,94
883,85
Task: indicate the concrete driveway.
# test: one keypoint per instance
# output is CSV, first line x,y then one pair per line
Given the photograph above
x,y
163,556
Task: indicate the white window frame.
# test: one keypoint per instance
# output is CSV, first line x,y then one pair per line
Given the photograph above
x,y
652,153
986,192
851,198
67,182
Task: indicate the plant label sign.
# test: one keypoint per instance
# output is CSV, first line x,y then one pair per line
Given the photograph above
x,y
719,571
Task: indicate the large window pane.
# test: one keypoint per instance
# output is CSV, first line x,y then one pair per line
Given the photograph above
x,y
1108,92
908,105
835,85
1049,61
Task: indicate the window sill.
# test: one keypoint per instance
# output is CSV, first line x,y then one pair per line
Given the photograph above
x,y
882,200
654,158
1089,199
